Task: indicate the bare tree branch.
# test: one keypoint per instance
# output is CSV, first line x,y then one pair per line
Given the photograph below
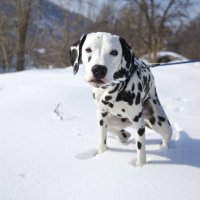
x,y
164,16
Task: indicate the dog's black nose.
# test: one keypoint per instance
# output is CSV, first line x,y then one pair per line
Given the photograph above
x,y
99,71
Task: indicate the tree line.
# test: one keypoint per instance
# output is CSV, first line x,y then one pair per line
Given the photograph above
x,y
148,25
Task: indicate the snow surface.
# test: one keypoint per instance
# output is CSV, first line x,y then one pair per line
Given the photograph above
x,y
173,56
48,140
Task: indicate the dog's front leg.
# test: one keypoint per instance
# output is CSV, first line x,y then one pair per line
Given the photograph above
x,y
140,142
102,125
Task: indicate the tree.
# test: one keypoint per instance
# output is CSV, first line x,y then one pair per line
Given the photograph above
x,y
23,8
3,41
126,26
155,19
7,40
186,39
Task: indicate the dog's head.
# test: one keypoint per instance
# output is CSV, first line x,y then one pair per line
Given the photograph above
x,y
106,57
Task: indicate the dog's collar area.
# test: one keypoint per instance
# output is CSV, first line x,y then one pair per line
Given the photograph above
x,y
134,67
137,63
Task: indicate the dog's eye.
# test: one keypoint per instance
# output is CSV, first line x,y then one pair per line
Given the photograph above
x,y
114,52
88,50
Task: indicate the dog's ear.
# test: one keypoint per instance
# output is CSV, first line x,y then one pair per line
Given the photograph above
x,y
126,62
127,52
75,53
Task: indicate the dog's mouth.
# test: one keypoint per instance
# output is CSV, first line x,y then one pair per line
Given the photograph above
x,y
97,81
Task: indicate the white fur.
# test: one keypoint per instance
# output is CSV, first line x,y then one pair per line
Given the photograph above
x,y
101,45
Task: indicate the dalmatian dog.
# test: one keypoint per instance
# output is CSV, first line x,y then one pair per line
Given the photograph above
x,y
123,90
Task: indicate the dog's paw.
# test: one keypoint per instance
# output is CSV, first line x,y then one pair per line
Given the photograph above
x,y
102,149
137,163
140,163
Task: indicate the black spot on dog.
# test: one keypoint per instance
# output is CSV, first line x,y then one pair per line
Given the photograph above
x,y
119,115
124,119
115,89
101,122
136,119
139,145
89,58
124,134
105,102
141,131
138,98
147,85
105,141
93,94
145,80
126,96
138,74
140,114
120,73
154,101
107,98
160,118
123,110
140,87
111,105
147,90
152,120
156,94
133,87
104,114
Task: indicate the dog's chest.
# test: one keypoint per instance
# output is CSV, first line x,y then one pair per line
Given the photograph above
x,y
108,103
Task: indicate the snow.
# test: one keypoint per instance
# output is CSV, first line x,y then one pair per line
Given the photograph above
x,y
172,57
40,50
48,140
172,54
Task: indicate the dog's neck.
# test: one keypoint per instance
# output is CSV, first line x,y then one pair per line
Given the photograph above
x,y
117,84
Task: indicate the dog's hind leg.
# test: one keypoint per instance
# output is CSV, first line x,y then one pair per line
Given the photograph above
x,y
157,120
122,134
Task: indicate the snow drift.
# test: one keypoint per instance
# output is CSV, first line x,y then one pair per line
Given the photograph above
x,y
48,140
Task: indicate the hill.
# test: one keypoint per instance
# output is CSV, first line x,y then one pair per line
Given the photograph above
x,y
51,27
